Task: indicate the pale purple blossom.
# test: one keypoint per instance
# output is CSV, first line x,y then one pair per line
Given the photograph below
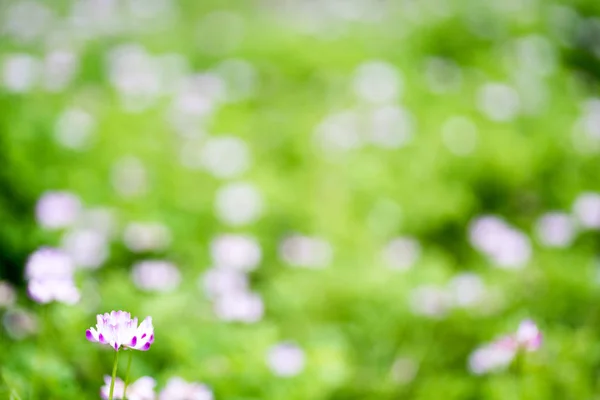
x,y
49,263
50,277
504,245
57,209
587,210
156,275
528,336
242,306
555,229
286,359
53,289
141,389
88,248
223,281
178,389
236,251
120,331
490,358
500,353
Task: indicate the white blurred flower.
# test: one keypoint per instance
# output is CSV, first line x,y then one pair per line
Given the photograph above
x,y
460,135
239,252
391,127
74,129
141,389
20,72
377,82
26,20
238,203
286,359
401,253
443,75
135,75
430,301
587,210
339,132
49,263
499,102
305,251
57,209
506,246
146,236
53,289
221,281
467,290
8,294
156,275
60,66
555,229
19,323
87,248
179,389
246,307
129,177
225,156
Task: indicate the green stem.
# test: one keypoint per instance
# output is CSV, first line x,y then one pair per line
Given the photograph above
x,y
127,374
114,376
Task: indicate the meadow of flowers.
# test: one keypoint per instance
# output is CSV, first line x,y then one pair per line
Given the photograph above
x,y
299,199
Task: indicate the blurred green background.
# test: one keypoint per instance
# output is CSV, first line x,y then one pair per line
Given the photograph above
x,y
356,142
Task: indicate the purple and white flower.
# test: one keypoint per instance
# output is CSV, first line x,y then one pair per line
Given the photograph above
x,y
119,330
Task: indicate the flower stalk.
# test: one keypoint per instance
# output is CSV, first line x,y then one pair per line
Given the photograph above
x,y
114,376
127,374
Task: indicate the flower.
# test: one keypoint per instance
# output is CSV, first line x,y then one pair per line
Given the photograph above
x,y
50,277
142,389
500,353
179,389
46,290
286,359
119,330
528,336
49,263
